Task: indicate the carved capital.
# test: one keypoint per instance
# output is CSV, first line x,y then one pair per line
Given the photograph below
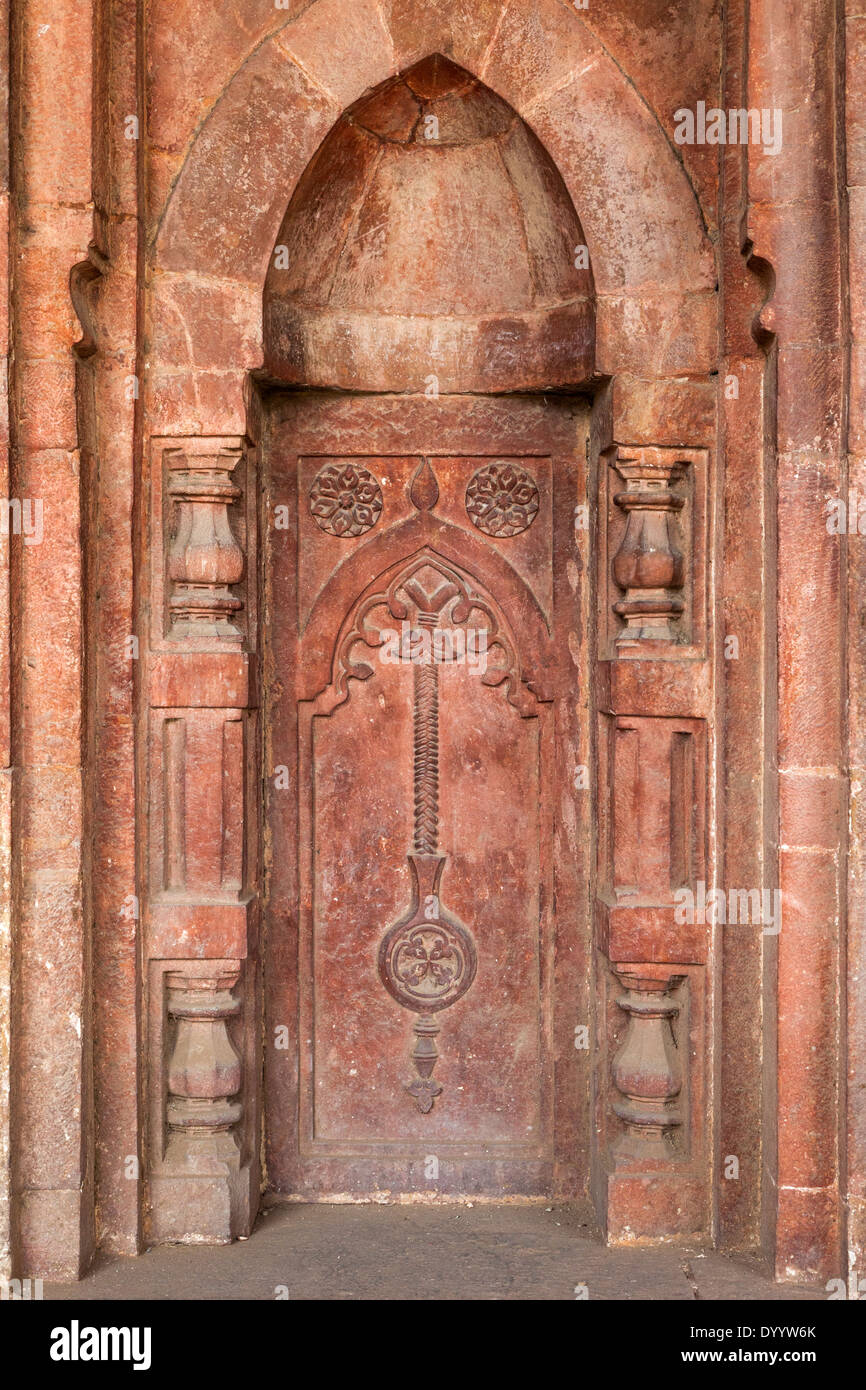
x,y
649,565
647,1070
205,558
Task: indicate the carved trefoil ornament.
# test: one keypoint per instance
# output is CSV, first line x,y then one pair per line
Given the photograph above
x,y
205,557
465,607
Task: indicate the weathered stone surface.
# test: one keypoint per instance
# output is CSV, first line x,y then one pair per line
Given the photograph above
x,y
668,707
430,238
339,49
193,52
239,175
472,1251
855,1120
649,43
462,30
576,124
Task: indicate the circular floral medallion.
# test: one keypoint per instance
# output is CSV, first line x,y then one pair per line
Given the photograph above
x,y
502,499
345,500
429,963
425,965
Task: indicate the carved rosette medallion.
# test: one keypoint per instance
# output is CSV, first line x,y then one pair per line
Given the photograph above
x,y
345,500
502,499
428,966
427,961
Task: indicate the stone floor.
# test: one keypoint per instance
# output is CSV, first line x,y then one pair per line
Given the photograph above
x,y
423,1252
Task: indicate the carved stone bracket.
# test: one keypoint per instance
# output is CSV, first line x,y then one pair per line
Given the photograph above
x,y
649,566
204,1070
647,1070
205,558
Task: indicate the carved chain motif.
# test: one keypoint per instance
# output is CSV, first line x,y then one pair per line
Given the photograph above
x,y
426,729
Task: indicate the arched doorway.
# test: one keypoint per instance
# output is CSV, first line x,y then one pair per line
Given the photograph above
x,y
427,904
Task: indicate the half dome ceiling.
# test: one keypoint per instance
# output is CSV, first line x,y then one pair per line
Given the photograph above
x,y
430,236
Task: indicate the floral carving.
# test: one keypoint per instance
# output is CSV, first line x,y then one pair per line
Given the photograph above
x,y
429,965
345,500
502,499
463,605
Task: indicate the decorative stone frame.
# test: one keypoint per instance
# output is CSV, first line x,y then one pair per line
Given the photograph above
x,y
145,371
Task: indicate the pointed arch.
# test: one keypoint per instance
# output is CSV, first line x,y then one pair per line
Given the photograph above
x,y
328,663
653,263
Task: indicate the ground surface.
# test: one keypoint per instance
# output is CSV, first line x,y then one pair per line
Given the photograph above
x,y
414,1252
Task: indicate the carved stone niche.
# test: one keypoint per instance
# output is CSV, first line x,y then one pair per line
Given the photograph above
x,y
647,1070
205,558
652,551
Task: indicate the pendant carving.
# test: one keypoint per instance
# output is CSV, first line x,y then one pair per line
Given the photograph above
x,y
424,1089
427,960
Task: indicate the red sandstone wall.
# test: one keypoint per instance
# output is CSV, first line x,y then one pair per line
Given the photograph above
x,y
855,1120
51,223
182,222
6,800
